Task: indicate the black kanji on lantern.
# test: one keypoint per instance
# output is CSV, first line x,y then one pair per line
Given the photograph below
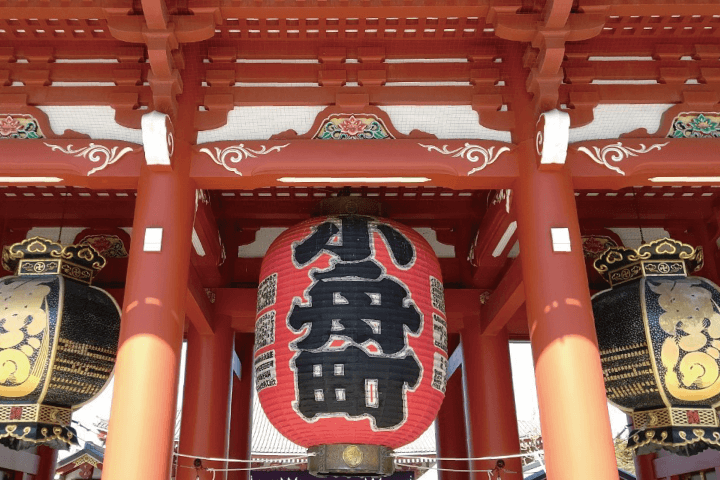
x,y
346,381
354,299
366,307
354,244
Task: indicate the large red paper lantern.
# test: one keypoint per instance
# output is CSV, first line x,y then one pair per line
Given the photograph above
x,y
351,339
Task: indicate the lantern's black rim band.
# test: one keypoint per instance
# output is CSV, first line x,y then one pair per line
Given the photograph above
x,y
682,441
21,436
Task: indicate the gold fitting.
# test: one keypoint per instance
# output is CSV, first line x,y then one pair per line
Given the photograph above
x,y
352,456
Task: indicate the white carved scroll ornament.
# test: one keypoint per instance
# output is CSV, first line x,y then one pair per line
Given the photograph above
x,y
617,152
471,153
237,153
94,152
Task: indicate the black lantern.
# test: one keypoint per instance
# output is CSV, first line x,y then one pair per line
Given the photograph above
x,y
659,336
58,340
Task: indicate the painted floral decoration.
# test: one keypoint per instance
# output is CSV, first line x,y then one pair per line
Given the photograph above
x,y
19,126
703,124
9,126
696,125
351,127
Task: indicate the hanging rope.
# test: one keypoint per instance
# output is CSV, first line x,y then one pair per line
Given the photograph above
x,y
474,459
287,456
637,214
244,469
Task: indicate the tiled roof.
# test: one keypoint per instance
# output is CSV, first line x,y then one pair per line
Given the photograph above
x,y
95,451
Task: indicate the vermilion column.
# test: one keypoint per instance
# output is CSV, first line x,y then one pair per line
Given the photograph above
x,y
644,467
571,394
241,410
644,464
46,465
142,418
206,399
492,422
450,431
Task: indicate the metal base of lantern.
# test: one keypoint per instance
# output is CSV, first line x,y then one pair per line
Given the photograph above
x,y
348,459
680,430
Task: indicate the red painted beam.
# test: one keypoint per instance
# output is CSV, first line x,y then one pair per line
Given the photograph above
x,y
504,302
208,251
87,163
497,226
620,163
198,308
456,164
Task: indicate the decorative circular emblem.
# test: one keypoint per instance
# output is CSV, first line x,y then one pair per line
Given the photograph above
x,y
39,267
352,456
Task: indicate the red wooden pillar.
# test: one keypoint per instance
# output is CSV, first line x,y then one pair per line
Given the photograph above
x,y
571,394
46,465
206,399
450,433
492,422
142,419
241,410
644,466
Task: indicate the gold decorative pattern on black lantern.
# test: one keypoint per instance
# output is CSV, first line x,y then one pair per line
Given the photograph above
x,y
658,258
40,256
58,340
659,337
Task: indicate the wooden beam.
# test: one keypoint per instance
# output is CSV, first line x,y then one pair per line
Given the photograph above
x,y
198,307
507,298
653,161
494,239
208,251
455,164
88,163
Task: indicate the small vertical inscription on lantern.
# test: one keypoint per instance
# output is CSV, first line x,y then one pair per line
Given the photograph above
x,y
693,417
437,292
265,371
267,292
440,365
440,332
265,330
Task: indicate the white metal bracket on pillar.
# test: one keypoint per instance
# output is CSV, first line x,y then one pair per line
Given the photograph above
x,y
552,136
159,140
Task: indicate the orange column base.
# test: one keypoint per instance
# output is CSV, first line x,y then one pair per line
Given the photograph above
x,y
492,422
206,399
450,433
242,406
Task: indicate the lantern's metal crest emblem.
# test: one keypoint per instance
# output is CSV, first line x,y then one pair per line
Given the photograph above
x,y
58,340
659,336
